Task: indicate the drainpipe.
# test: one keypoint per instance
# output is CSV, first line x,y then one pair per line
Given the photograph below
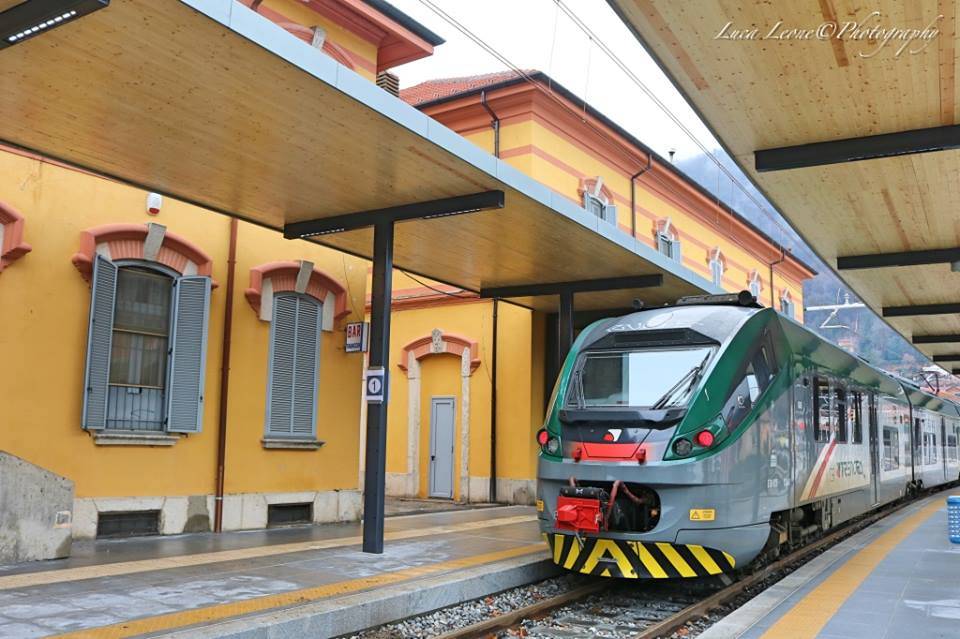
x,y
225,378
494,122
783,258
633,195
493,404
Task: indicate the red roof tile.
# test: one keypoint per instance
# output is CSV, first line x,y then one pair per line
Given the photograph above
x,y
444,87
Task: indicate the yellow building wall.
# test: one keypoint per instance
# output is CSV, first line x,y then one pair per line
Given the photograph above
x,y
697,237
298,12
45,305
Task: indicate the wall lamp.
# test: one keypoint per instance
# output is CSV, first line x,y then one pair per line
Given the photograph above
x,y
33,17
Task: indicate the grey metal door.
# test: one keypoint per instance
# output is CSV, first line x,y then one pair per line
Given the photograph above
x,y
869,413
441,446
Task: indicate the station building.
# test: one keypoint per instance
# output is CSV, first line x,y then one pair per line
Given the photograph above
x,y
447,397
186,371
167,359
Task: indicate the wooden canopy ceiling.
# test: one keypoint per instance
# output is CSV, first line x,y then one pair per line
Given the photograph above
x,y
763,93
208,102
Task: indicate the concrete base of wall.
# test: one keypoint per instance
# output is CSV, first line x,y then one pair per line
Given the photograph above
x,y
194,513
35,512
248,511
509,491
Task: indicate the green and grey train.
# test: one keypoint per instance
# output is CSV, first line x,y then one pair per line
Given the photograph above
x,y
689,440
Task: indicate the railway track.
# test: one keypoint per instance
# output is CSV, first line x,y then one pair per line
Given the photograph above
x,y
618,609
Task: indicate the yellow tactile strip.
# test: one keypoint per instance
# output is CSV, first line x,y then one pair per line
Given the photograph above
x,y
296,597
808,617
182,561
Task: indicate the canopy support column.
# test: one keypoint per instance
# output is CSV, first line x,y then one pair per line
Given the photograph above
x,y
374,485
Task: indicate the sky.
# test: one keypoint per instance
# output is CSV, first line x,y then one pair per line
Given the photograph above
x,y
536,34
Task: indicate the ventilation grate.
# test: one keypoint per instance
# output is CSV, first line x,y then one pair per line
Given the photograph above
x,y
128,524
389,82
288,514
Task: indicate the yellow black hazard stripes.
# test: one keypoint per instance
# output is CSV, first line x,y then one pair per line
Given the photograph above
x,y
636,559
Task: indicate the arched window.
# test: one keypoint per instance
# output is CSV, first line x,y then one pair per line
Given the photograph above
x,y
668,240
300,302
787,306
717,267
755,285
598,199
294,366
146,348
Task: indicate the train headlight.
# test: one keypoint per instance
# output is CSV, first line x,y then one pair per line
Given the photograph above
x,y
542,437
682,447
553,446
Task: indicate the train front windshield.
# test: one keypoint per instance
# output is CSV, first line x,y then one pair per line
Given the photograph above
x,y
649,378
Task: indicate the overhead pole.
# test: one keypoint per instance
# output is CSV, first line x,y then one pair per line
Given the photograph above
x,y
375,469
377,386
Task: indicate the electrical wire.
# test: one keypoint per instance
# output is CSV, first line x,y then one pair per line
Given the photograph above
x,y
666,110
582,115
456,294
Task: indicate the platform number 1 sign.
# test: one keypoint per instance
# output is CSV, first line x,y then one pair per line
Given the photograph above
x,y
375,385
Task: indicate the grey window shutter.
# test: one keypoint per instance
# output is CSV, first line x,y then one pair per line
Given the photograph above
x,y
188,354
305,370
283,331
676,254
99,344
294,367
610,214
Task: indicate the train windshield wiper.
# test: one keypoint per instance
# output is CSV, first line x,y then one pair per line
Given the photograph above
x,y
687,382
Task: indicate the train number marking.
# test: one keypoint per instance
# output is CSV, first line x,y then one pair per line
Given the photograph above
x,y
702,514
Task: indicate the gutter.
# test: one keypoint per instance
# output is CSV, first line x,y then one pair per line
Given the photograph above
x,y
633,195
494,122
493,404
225,379
783,258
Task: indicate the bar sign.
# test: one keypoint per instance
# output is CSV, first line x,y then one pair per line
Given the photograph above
x,y
375,384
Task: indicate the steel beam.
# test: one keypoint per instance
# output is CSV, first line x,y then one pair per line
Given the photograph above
x,y
565,332
936,339
581,286
902,258
417,211
375,469
955,357
921,309
941,138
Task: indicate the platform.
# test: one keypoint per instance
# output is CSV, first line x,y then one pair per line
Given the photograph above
x,y
900,577
305,581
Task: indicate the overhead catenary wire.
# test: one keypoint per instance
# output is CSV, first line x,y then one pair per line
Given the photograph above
x,y
582,116
666,110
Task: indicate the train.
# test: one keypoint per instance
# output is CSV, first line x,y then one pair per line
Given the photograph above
x,y
706,436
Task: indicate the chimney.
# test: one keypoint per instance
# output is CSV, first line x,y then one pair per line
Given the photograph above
x,y
389,82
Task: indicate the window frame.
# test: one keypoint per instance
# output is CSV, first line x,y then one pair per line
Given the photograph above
x,y
717,269
173,275
822,432
268,432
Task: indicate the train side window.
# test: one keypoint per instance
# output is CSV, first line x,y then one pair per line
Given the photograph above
x,y
917,439
821,411
891,448
855,413
840,414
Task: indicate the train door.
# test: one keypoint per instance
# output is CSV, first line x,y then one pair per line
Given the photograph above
x,y
943,446
869,411
803,451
